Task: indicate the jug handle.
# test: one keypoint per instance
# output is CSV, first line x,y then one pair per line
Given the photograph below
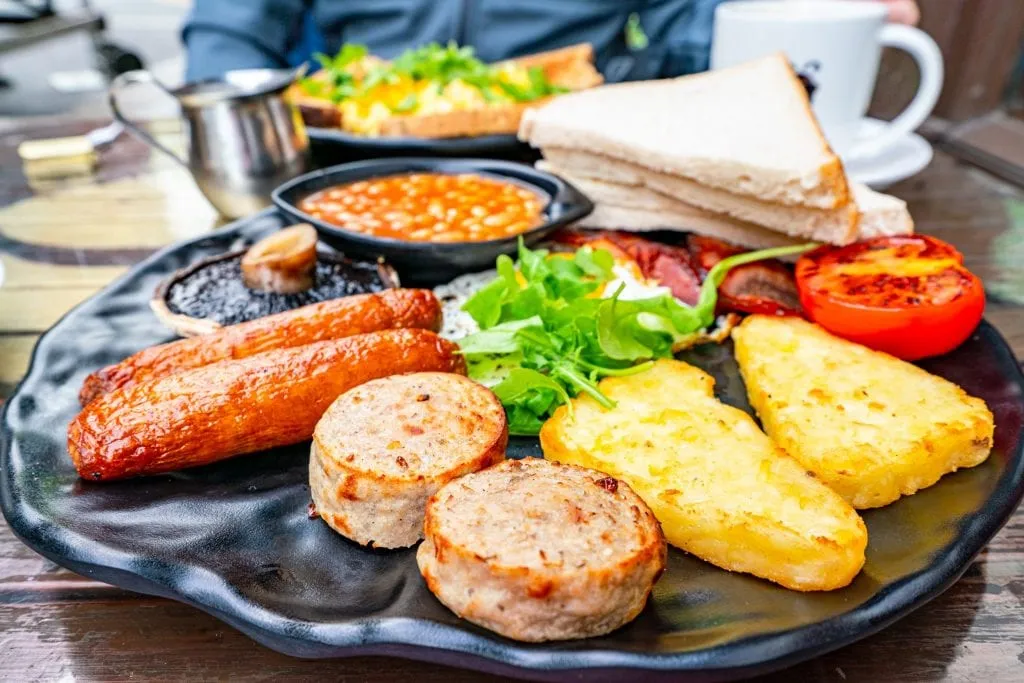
x,y
137,78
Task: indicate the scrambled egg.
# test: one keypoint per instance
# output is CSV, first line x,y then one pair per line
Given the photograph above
x,y
404,96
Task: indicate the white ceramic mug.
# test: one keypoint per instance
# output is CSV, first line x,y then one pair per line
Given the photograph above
x,y
836,45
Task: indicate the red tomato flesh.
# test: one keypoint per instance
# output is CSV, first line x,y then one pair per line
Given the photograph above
x,y
908,296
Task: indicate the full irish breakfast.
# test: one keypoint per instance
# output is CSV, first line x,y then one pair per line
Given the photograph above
x,y
715,222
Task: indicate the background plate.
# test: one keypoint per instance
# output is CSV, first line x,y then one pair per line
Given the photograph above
x,y
332,146
234,540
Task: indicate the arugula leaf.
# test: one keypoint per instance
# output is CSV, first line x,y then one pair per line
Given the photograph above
x,y
636,37
527,302
525,421
616,330
313,87
533,264
440,65
339,83
708,298
498,339
348,54
522,382
485,306
408,103
553,341
595,262
539,87
325,61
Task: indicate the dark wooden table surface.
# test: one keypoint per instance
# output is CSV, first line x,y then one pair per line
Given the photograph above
x,y
62,240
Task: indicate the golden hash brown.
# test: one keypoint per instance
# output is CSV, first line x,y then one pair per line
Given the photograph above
x,y
720,488
871,426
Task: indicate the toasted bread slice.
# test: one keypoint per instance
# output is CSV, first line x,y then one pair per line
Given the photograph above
x,y
747,130
610,217
871,426
880,214
721,489
570,67
491,120
835,226
620,205
316,112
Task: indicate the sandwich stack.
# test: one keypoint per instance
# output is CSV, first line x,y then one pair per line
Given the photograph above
x,y
734,154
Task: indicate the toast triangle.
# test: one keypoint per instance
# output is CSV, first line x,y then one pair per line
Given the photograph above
x,y
747,129
623,201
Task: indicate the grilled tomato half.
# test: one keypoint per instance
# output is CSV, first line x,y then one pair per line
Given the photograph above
x,y
909,296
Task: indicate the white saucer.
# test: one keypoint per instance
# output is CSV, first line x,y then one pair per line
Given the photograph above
x,y
905,158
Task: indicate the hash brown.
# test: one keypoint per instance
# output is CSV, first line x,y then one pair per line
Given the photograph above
x,y
869,425
721,489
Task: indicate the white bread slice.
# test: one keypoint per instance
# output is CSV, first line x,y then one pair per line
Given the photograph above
x,y
881,214
640,209
609,217
747,130
835,226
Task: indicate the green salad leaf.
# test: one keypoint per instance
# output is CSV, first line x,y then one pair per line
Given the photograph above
x,y
528,394
348,54
543,324
538,88
636,37
408,103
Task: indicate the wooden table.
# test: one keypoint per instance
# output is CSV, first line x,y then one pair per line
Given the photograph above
x,y
62,240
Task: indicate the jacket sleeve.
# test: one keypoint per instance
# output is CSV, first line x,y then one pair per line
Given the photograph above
x,y
680,36
221,35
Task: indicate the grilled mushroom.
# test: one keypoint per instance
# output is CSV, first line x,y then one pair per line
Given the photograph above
x,y
284,262
279,273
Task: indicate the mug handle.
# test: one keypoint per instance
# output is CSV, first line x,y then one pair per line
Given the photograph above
x,y
136,78
926,53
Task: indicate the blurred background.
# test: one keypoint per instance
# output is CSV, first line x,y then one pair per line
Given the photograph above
x,y
57,56
60,62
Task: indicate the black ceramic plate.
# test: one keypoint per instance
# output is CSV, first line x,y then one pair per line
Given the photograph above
x,y
434,262
234,539
337,146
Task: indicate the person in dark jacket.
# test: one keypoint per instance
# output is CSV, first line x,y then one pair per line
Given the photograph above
x,y
221,35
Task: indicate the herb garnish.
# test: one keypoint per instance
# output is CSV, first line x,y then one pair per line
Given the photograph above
x,y
438,64
543,318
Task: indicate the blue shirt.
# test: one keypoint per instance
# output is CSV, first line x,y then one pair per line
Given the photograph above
x,y
221,35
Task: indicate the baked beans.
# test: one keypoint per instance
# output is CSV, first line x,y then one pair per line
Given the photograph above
x,y
429,207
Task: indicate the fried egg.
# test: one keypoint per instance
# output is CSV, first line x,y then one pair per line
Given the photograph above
x,y
634,285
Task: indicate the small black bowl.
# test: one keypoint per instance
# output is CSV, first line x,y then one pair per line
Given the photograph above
x,y
429,262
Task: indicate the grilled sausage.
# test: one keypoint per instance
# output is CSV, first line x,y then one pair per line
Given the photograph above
x,y
240,406
333,319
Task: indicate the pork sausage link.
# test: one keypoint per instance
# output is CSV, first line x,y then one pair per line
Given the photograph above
x,y
241,406
333,319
